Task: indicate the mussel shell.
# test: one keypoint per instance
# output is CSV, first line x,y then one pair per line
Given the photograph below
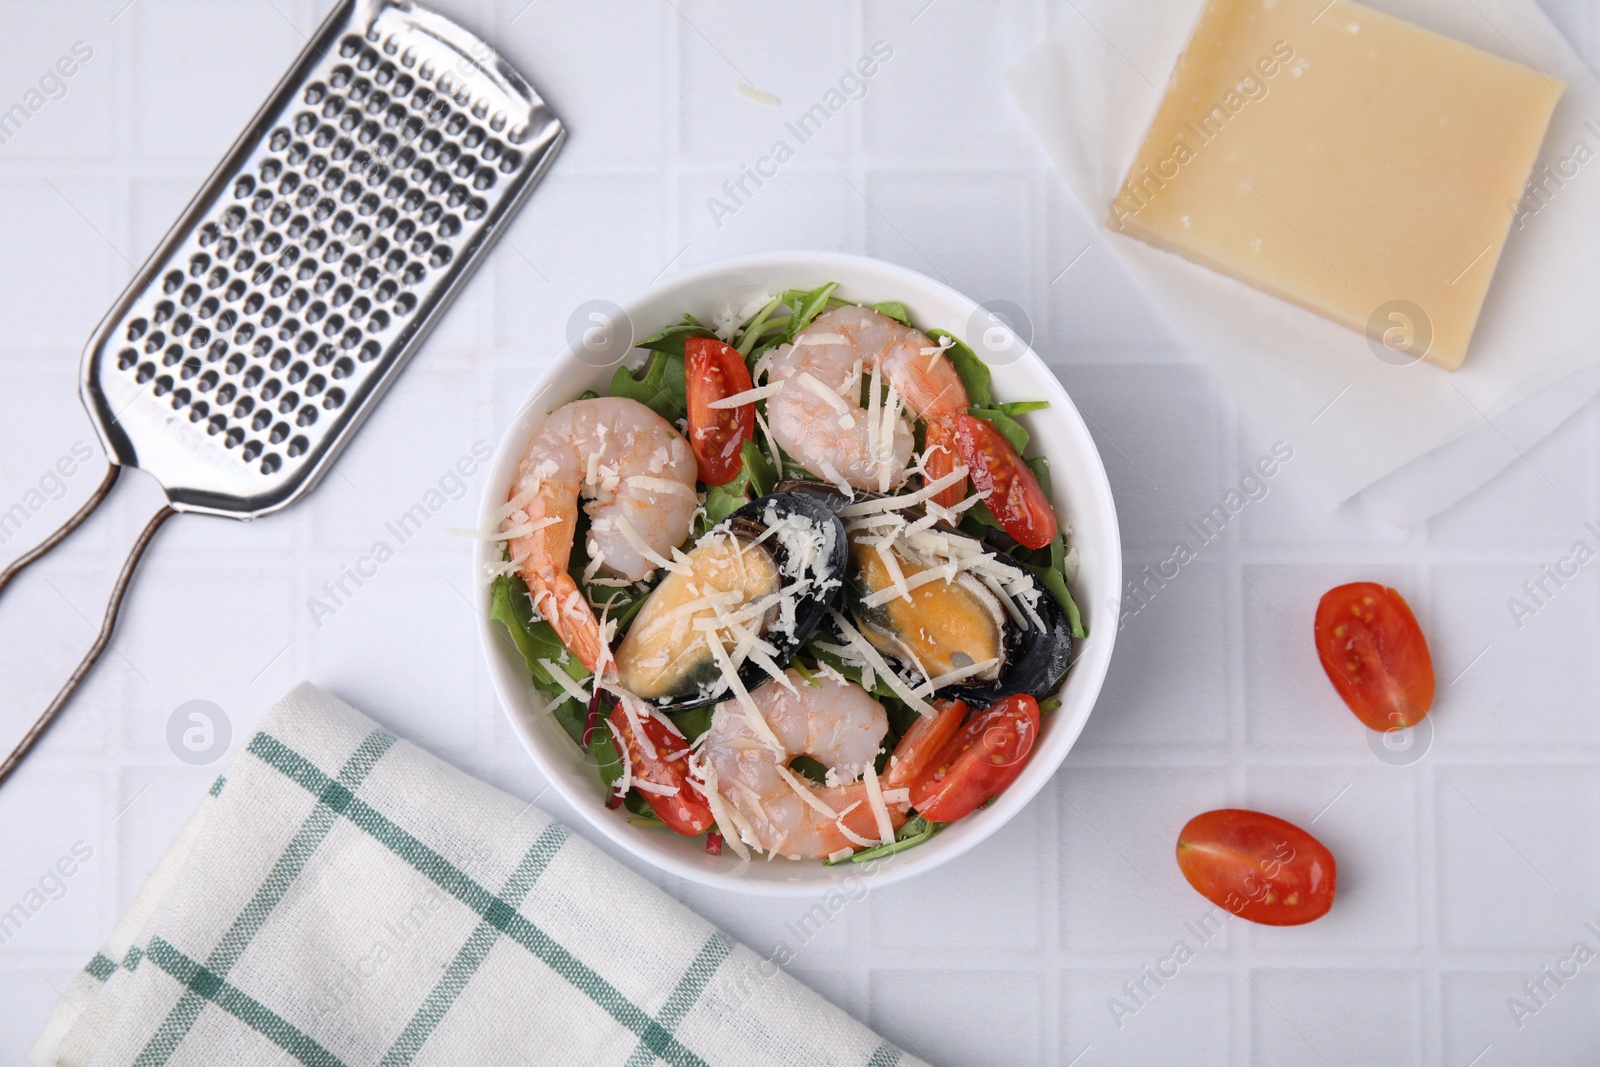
x,y
811,606
1036,660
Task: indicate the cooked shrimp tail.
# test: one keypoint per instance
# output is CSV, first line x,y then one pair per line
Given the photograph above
x,y
818,416
636,477
745,763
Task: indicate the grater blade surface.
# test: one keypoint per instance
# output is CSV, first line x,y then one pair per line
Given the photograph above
x,y
315,260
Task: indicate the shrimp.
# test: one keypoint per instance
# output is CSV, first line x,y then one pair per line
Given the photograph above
x,y
817,415
637,476
836,723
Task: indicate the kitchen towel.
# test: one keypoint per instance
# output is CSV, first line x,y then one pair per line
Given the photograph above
x,y
344,898
1418,437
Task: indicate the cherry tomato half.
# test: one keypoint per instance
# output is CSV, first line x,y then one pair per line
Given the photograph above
x,y
712,371
942,452
983,757
1375,654
922,741
1005,482
1257,866
664,763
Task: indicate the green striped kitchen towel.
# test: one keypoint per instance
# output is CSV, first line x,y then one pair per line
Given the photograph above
x,y
344,898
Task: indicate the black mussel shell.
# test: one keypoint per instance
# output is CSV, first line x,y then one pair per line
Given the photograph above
x,y
1036,660
750,522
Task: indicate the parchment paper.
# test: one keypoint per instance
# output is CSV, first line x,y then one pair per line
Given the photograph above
x,y
1416,438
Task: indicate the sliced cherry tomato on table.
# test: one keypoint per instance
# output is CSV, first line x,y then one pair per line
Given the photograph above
x,y
1257,866
942,452
712,372
979,762
1375,655
1006,484
664,763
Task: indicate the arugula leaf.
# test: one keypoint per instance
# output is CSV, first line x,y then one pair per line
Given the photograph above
x,y
694,722
573,717
1009,428
671,339
659,384
895,310
915,831
809,306
752,333
644,814
604,750
536,640
755,479
1022,407
809,768
1052,579
974,371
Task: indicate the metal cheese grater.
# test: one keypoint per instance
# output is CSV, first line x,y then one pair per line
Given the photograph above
x,y
306,273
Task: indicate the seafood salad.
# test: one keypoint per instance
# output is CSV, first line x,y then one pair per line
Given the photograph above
x,y
793,585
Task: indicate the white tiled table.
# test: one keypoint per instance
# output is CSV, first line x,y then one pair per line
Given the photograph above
x,y
1462,875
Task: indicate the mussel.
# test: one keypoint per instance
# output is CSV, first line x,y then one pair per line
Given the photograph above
x,y
762,579
952,623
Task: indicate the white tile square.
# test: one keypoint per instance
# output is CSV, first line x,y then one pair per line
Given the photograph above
x,y
1121,889
950,53
53,460
582,237
720,47
1169,681
1159,431
802,207
604,66
412,603
412,487
58,869
182,615
49,622
1509,876
195,88
1120,1026
985,899
63,68
64,253
960,1016
1097,313
973,229
1535,683
1322,1016
1556,1024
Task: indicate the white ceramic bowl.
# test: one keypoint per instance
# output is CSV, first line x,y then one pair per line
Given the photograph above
x,y
1082,495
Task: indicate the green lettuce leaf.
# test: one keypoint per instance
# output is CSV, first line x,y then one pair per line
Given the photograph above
x,y
914,832
659,385
895,310
974,371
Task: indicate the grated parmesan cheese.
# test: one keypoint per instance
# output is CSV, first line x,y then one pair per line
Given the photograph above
x,y
566,682
749,396
876,663
880,811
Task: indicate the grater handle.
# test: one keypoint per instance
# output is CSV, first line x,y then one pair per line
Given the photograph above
x,y
94,501
103,638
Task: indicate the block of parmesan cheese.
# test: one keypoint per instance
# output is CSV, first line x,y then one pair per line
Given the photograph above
x,y
1343,159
